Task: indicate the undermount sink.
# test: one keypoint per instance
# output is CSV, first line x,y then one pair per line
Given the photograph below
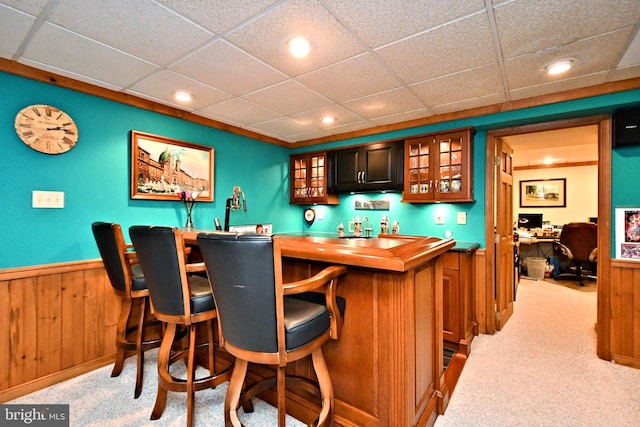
x,y
355,237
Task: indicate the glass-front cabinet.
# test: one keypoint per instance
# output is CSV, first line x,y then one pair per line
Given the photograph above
x,y
308,179
439,167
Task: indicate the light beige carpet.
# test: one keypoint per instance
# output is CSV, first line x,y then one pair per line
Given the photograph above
x,y
97,400
542,368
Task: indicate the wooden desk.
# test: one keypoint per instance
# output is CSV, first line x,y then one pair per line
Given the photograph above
x,y
386,367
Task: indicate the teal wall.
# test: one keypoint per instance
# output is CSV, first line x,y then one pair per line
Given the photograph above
x,y
95,175
420,219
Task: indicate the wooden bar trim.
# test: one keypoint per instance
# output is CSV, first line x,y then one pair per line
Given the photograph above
x,y
46,269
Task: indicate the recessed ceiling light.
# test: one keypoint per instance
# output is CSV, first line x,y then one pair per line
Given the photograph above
x,y
299,47
559,67
183,96
548,161
328,120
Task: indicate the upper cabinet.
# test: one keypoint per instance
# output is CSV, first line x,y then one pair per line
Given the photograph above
x,y
439,167
372,167
308,179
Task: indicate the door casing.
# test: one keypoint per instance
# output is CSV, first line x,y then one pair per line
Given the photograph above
x,y
603,347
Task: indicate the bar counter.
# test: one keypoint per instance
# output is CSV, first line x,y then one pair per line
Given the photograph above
x,y
386,367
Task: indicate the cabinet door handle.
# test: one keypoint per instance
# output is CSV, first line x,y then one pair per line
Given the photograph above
x,y
359,180
363,178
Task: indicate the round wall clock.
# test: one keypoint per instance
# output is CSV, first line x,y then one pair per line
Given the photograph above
x,y
309,216
46,129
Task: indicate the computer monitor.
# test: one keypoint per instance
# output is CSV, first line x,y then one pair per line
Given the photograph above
x,y
529,221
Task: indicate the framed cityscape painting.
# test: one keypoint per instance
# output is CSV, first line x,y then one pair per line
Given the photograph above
x,y
162,167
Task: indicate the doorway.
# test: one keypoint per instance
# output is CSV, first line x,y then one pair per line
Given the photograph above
x,y
500,294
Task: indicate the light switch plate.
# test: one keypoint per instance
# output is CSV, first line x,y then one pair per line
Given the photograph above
x,y
47,199
462,217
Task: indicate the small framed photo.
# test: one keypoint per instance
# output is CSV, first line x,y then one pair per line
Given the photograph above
x,y
543,193
161,167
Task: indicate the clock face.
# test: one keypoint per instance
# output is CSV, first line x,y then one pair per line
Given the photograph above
x,y
309,216
46,129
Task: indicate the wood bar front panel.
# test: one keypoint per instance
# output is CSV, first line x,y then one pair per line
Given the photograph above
x,y
386,366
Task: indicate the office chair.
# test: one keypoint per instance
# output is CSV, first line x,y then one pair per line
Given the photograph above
x,y
260,323
182,300
129,284
579,244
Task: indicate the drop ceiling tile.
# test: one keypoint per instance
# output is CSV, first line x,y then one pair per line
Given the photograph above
x,y
590,56
314,134
239,111
558,86
478,82
402,117
632,55
480,101
396,19
526,26
14,27
282,126
432,54
288,98
227,68
341,115
385,104
352,78
131,26
352,127
219,16
163,84
624,73
32,7
267,37
80,56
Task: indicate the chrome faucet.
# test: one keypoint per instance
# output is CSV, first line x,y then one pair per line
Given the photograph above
x,y
367,227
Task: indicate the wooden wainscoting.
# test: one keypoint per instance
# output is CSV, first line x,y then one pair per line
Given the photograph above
x,y
57,321
625,312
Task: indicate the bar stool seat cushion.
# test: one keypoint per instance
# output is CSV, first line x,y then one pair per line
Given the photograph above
x,y
303,322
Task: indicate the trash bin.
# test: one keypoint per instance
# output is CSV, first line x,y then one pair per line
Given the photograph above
x,y
536,267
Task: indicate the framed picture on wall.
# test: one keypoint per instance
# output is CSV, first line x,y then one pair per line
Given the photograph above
x,y
543,193
628,233
162,167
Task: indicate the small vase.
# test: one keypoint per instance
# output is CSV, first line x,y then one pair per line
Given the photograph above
x,y
189,225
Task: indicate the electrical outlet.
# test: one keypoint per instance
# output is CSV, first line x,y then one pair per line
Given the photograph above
x,y
439,218
47,199
462,217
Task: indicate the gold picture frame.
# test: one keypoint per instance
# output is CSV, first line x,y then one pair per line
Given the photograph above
x,y
161,167
543,193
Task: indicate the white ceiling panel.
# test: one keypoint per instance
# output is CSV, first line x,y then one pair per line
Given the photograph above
x,y
219,16
131,26
288,98
239,111
267,37
373,63
211,66
431,54
162,84
350,79
60,48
